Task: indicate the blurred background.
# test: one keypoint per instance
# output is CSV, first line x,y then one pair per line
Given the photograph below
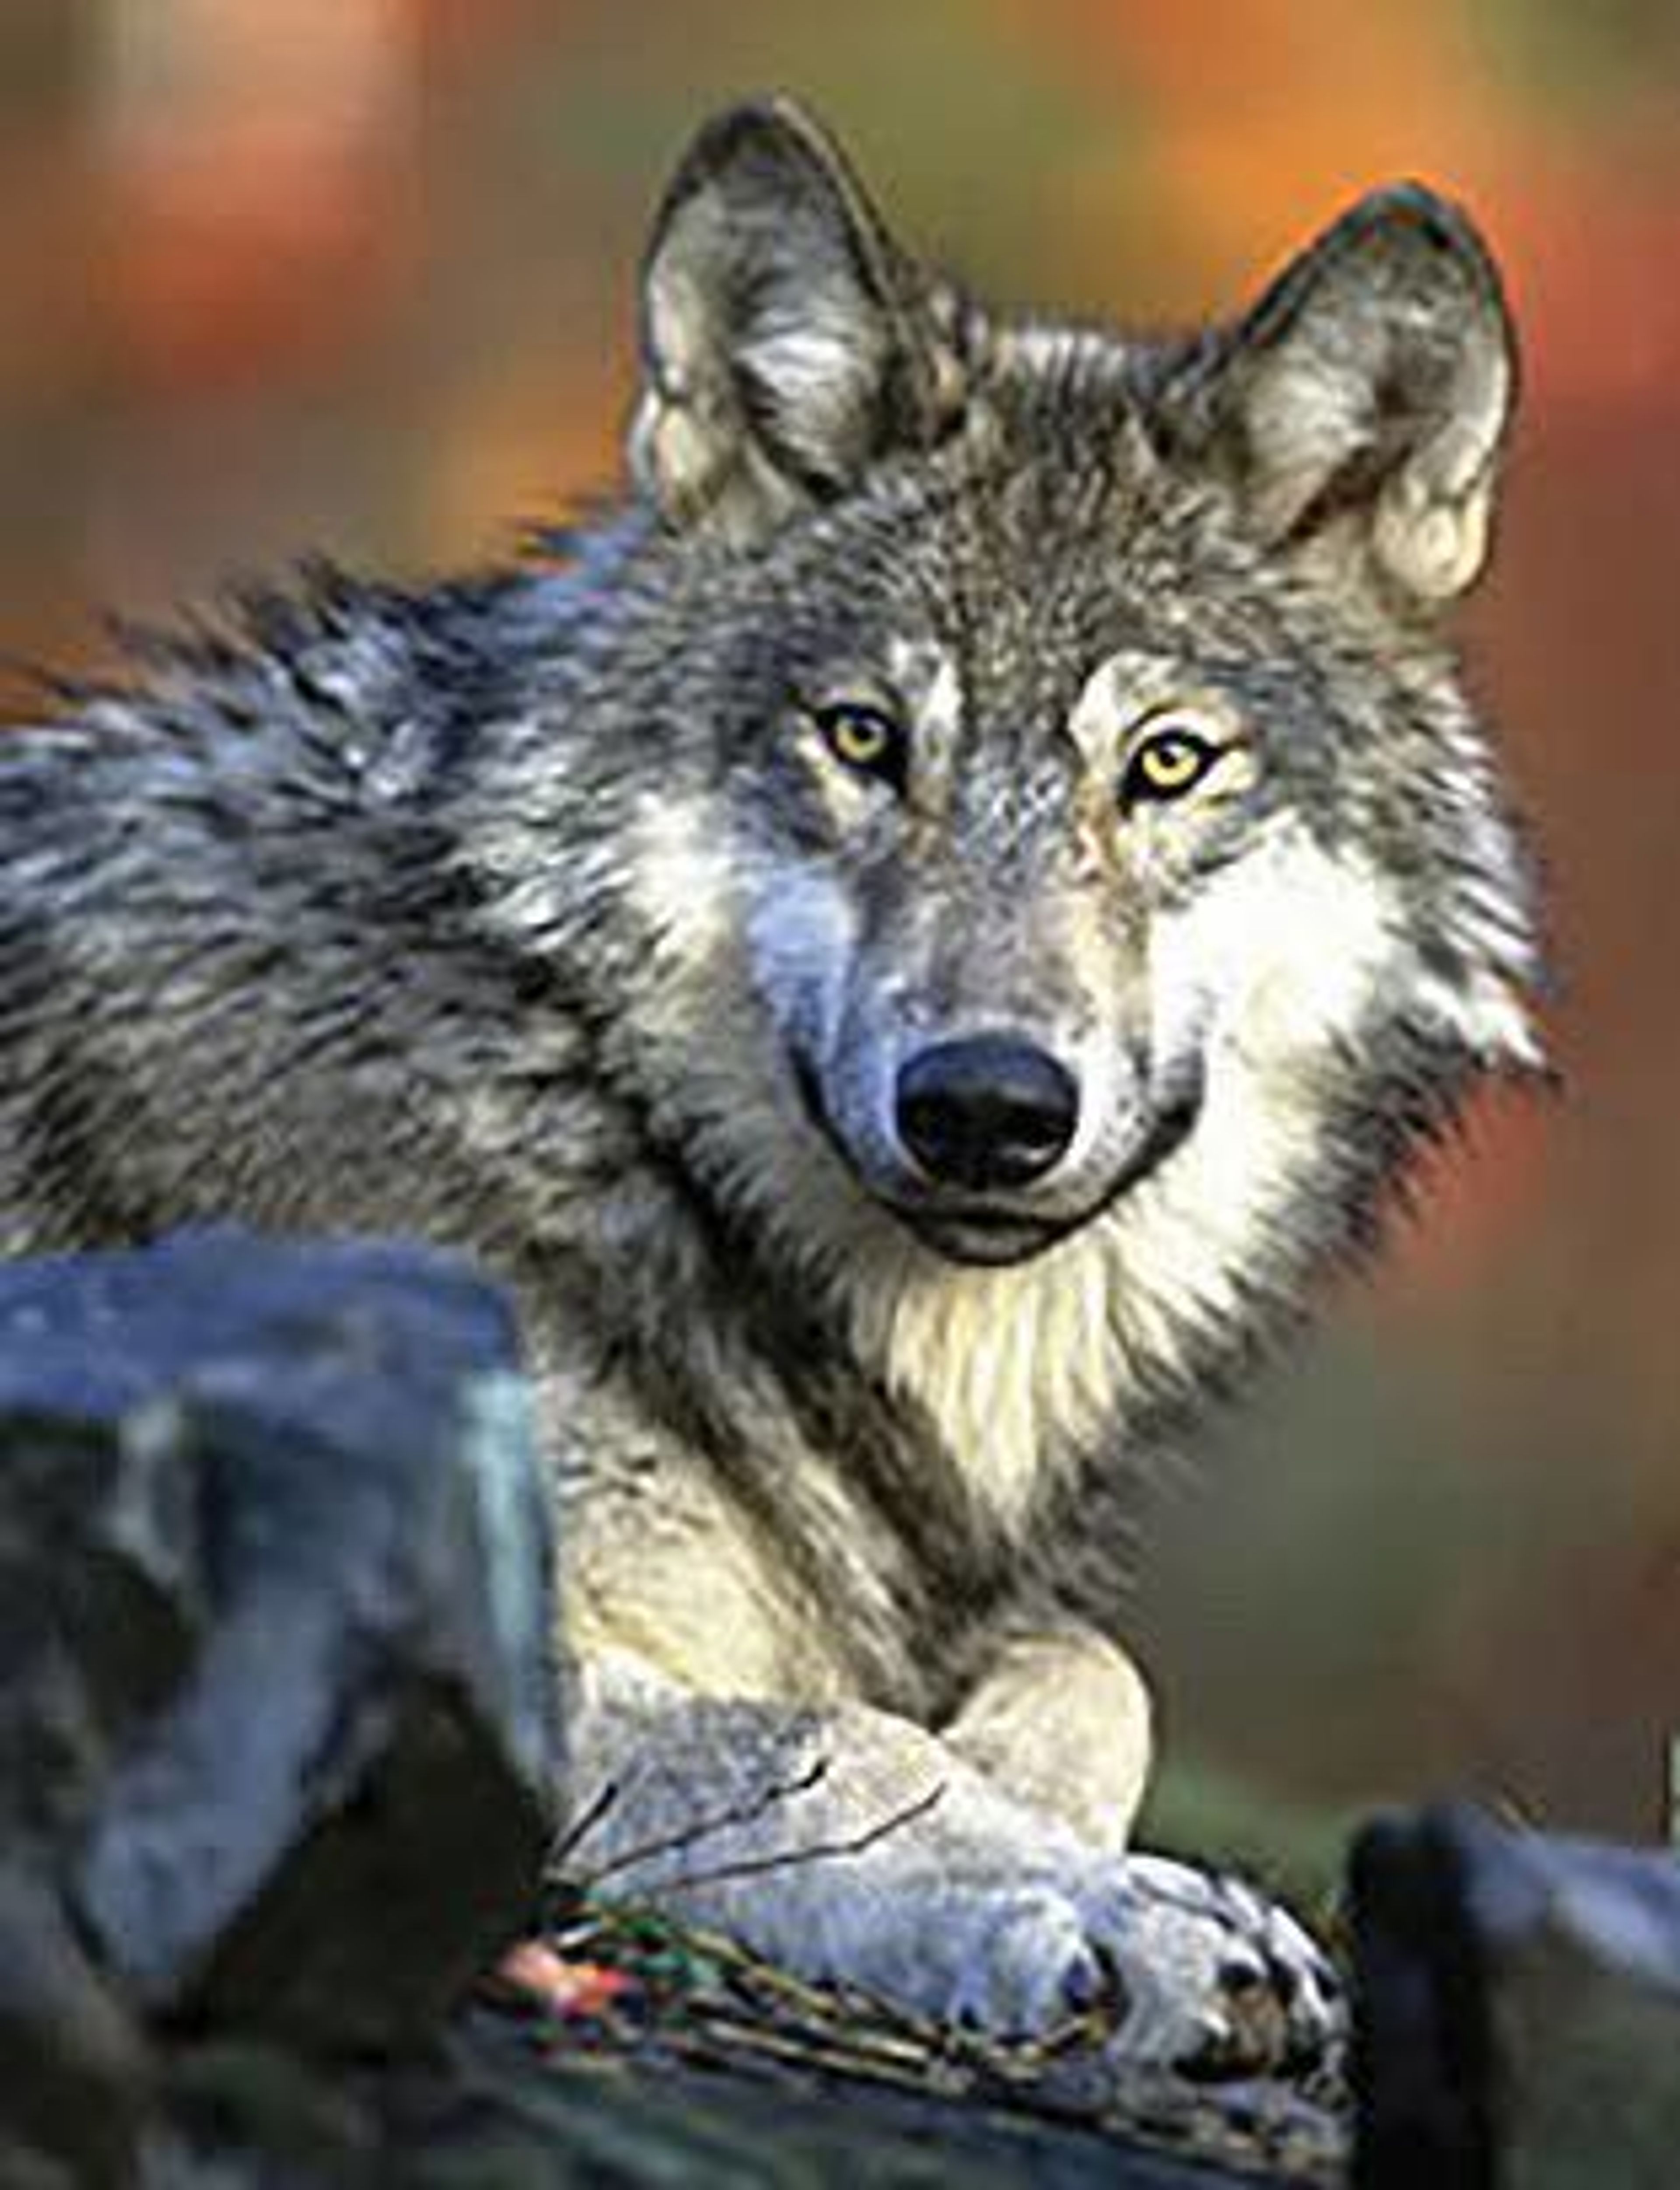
x,y
357,275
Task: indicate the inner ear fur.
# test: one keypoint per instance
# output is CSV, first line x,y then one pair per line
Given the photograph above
x,y
1360,409
786,341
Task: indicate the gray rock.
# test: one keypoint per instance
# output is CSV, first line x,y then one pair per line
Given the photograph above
x,y
1519,2017
278,1697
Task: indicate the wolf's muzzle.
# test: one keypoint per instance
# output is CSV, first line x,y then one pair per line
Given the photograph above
x,y
989,1113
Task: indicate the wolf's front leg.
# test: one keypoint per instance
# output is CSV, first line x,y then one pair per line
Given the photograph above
x,y
1061,1720
857,1847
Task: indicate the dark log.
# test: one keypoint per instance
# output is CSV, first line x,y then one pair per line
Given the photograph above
x,y
1519,2016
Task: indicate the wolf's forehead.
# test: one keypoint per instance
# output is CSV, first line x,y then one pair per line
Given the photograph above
x,y
972,649
1027,581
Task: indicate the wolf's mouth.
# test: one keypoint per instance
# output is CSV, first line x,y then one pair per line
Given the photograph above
x,y
984,1235
984,1240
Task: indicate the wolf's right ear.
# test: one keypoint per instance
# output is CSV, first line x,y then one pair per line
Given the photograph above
x,y
786,340
1359,409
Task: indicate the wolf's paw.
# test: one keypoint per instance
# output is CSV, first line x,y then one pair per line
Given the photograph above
x,y
1023,1963
1207,1976
1215,1978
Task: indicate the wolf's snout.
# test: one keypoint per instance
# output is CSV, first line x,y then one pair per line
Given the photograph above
x,y
992,1111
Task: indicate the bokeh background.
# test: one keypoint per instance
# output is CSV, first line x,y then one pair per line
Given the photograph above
x,y
357,275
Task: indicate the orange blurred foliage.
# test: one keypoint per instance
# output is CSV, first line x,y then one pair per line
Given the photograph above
x,y
258,170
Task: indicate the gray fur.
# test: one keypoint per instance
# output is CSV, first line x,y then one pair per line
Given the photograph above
x,y
530,913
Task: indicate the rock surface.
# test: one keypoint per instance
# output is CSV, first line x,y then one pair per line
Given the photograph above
x,y
493,2110
277,1743
1520,2009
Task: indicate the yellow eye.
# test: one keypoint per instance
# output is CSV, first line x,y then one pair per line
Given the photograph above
x,y
864,739
1166,764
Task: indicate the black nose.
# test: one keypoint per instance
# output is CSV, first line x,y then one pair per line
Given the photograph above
x,y
992,1111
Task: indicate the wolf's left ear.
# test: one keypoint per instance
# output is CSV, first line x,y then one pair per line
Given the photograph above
x,y
786,340
1360,409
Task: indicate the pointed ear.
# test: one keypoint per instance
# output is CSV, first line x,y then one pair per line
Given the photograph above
x,y
786,340
1360,409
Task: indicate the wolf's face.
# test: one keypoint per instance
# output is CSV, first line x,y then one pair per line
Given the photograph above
x,y
1066,721
988,813
963,974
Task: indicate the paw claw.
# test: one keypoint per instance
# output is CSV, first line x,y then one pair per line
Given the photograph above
x,y
1085,1984
1241,1978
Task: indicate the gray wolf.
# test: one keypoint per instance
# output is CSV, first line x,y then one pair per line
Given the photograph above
x,y
911,943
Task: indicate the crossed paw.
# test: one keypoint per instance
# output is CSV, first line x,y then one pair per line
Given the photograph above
x,y
859,1849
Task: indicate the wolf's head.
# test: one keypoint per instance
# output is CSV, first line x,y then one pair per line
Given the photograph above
x,y
1070,717
1051,832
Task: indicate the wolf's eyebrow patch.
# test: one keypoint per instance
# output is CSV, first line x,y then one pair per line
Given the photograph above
x,y
1127,686
926,675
